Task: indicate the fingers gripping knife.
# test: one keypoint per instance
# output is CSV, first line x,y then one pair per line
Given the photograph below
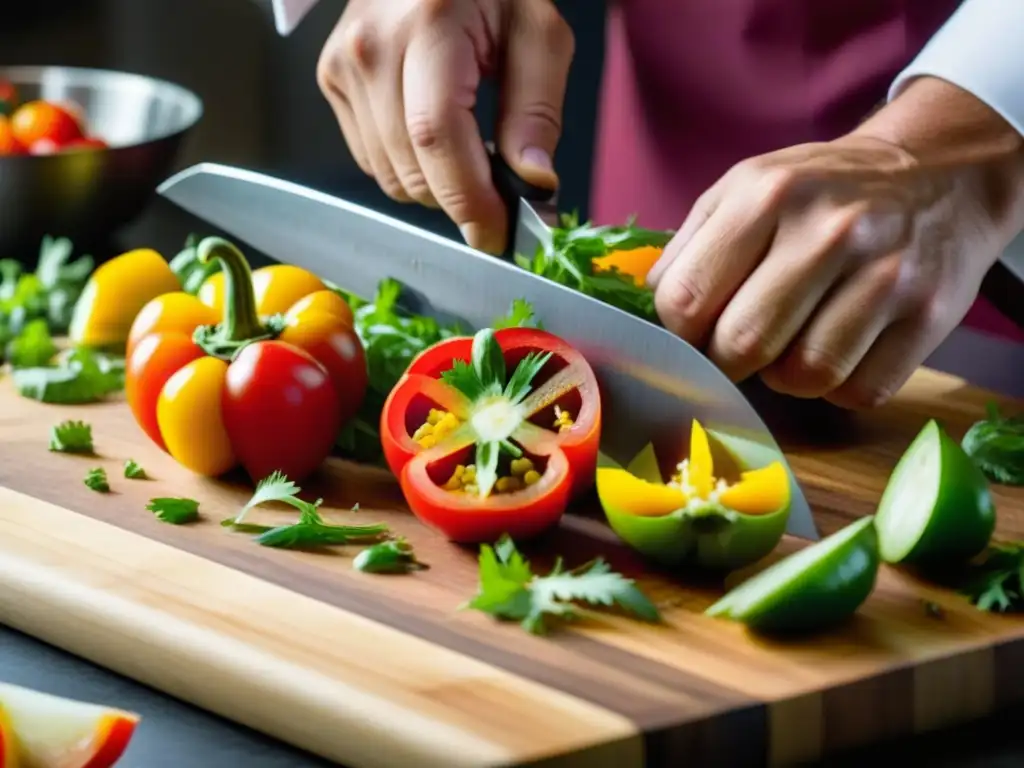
x,y
653,384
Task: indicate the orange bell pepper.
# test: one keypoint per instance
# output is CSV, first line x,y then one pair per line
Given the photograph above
x,y
213,389
635,263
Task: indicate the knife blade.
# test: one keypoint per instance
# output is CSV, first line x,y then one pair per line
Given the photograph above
x,y
653,384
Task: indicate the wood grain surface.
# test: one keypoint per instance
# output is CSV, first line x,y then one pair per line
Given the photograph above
x,y
373,670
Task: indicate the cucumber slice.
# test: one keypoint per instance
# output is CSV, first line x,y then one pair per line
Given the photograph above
x,y
812,589
936,509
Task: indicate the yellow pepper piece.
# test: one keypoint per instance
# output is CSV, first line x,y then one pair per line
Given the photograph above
x,y
114,295
635,263
278,288
189,415
759,491
624,492
702,468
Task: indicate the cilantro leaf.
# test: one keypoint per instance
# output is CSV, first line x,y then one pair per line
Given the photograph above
x,y
71,437
521,315
310,531
176,511
510,591
96,479
33,346
996,444
569,262
133,471
82,376
388,557
996,581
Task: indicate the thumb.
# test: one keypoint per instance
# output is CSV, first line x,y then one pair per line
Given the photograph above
x,y
539,51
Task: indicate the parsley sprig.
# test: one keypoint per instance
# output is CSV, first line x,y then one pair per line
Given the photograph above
x,y
569,261
486,376
176,511
510,591
71,437
996,444
133,471
996,581
96,479
309,532
81,376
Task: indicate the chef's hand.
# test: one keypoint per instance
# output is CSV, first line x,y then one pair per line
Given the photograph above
x,y
833,270
402,79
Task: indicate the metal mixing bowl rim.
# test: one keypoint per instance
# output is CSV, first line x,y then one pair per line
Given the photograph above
x,y
90,77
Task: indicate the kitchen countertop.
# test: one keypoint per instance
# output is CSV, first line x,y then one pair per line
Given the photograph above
x,y
173,733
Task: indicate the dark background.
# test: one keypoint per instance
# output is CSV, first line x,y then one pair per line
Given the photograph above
x,y
263,109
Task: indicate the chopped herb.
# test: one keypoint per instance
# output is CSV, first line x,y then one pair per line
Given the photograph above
x,y
521,315
96,479
82,376
32,347
174,510
996,582
71,437
388,557
569,262
510,591
310,531
133,471
996,444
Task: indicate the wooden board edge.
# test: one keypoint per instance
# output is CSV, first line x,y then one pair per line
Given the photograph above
x,y
89,587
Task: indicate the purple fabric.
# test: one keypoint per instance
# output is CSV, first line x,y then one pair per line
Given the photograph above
x,y
694,86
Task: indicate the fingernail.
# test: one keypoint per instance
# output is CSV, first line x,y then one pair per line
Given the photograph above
x,y
536,158
476,236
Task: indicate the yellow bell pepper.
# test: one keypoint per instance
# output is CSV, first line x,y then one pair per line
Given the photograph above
x,y
115,293
277,287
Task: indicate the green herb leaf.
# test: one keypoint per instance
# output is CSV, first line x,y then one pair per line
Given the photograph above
x,y
462,376
82,376
191,272
994,582
388,557
310,531
520,383
569,262
488,361
133,471
32,347
71,437
509,590
175,511
487,455
96,479
996,445
521,315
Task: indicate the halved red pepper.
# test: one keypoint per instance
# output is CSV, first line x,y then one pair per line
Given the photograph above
x,y
482,448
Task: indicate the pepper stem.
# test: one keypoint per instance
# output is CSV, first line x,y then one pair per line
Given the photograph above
x,y
241,324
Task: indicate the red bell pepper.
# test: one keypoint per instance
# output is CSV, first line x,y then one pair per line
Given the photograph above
x,y
493,434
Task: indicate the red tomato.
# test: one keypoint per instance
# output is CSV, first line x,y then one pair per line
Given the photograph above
x,y
8,97
44,147
280,409
8,144
38,120
87,143
570,457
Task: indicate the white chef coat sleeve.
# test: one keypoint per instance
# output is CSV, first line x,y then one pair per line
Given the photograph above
x,y
980,49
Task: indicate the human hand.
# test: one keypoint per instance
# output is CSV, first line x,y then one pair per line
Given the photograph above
x,y
833,270
402,79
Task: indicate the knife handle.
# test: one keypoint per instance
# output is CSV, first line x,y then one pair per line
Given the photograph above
x,y
511,186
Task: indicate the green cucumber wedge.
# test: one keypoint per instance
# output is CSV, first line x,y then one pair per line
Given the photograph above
x,y
813,589
936,510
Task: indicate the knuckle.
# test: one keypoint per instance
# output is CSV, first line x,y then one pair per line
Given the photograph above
x,y
768,182
426,131
679,301
328,71
816,370
392,187
556,30
416,185
856,396
744,343
359,44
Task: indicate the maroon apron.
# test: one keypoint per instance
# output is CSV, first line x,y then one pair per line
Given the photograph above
x,y
694,86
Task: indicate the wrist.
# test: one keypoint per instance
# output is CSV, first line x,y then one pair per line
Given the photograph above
x,y
939,125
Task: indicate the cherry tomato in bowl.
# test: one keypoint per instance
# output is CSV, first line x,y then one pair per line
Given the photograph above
x,y
9,145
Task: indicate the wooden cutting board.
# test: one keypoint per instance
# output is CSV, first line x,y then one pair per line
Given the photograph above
x,y
374,670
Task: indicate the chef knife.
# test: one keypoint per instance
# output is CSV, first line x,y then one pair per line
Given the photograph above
x,y
653,384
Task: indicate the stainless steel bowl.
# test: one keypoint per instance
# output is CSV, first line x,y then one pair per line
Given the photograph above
x,y
87,195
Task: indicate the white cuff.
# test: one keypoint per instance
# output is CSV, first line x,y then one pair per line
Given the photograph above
x,y
980,49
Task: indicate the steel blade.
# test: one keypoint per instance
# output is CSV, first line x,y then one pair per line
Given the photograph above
x,y
652,382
